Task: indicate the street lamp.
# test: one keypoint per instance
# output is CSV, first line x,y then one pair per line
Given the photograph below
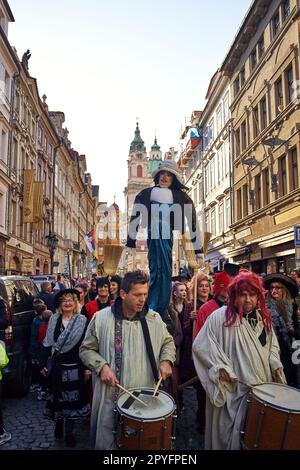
x,y
52,242
83,258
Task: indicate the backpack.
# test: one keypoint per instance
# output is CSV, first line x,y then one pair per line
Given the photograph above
x,y
3,358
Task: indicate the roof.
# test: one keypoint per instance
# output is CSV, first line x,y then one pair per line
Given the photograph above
x,y
11,16
249,23
155,147
137,143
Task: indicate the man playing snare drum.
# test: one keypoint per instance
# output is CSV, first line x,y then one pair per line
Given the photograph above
x,y
236,344
114,348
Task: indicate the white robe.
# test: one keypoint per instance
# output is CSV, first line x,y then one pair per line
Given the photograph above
x,y
98,348
238,350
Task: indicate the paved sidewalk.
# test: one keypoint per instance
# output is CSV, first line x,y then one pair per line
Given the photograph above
x,y
24,419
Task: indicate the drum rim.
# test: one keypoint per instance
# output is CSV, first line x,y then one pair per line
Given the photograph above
x,y
276,407
134,418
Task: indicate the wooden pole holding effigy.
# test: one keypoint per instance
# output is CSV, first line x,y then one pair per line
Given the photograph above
x,y
192,261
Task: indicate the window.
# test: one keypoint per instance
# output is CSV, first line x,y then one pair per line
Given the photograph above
x,y
283,177
261,47
139,171
40,135
207,224
226,107
244,136
266,186
4,146
263,114
257,192
206,181
278,95
243,76
245,200
253,59
221,217
7,86
237,142
212,175
226,158
239,204
228,213
219,119
211,131
275,24
255,122
236,86
294,170
213,221
195,196
289,84
15,155
286,10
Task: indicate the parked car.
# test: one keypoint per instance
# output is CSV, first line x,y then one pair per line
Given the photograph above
x,y
18,292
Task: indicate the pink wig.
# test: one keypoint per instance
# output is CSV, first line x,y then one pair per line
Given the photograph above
x,y
250,282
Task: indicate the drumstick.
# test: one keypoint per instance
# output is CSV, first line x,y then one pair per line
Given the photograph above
x,y
254,386
131,394
157,387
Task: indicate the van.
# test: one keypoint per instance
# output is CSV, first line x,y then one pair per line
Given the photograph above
x,y
39,279
18,292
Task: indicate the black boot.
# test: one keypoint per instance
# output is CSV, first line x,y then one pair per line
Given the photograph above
x,y
59,429
70,440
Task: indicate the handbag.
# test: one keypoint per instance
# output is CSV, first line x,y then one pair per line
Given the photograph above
x,y
50,360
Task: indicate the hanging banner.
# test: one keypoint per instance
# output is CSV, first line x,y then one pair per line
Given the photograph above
x,y
90,241
38,195
28,196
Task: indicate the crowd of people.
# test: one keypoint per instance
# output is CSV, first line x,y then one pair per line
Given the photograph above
x,y
85,340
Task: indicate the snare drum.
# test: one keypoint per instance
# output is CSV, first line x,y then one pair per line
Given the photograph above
x,y
272,423
149,427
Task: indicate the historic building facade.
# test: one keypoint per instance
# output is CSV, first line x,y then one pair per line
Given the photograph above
x,y
263,64
8,71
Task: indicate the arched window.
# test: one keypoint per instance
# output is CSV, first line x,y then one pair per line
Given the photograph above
x,y
139,171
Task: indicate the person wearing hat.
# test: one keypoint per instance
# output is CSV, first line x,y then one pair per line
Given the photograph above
x,y
162,209
281,291
102,300
221,283
236,346
60,362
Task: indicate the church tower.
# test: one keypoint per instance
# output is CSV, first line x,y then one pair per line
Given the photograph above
x,y
139,178
138,173
155,157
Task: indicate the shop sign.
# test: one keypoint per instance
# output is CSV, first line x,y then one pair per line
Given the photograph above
x,y
27,265
297,235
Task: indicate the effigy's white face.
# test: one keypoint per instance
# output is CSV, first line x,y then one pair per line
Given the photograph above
x,y
165,179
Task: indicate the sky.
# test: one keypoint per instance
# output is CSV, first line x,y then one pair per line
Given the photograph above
x,y
105,63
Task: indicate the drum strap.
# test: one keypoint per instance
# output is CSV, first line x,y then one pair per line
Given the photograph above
x,y
118,354
149,348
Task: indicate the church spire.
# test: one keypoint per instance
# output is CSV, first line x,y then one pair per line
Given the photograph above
x,y
155,147
137,144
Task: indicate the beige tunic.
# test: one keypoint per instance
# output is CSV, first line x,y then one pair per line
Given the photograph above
x,y
98,349
238,350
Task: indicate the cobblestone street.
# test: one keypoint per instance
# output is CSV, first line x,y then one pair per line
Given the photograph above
x,y
24,419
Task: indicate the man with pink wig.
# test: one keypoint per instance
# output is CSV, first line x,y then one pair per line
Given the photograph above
x,y
236,343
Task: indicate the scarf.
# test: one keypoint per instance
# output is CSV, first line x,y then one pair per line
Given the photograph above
x,y
74,330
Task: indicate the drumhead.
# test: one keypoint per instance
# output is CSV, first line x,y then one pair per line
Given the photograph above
x,y
160,406
284,396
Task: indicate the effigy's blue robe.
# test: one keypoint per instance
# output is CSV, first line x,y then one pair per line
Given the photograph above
x,y
160,245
